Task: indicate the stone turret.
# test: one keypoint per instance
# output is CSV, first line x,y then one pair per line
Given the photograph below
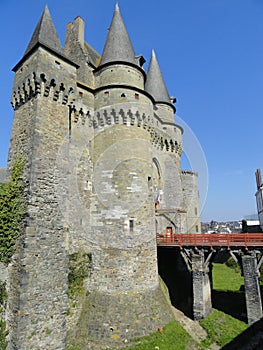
x,y
155,85
118,46
118,66
191,201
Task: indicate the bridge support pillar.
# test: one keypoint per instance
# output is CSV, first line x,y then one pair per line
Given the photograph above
x,y
252,288
202,303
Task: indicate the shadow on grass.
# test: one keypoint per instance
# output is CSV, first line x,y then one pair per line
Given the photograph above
x,y
231,303
251,339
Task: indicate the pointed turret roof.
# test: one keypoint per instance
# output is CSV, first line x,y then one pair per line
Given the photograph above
x,y
155,84
118,46
45,34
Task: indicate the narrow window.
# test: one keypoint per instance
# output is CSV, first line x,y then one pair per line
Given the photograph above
x,y
106,93
195,211
80,94
136,96
149,182
196,228
131,225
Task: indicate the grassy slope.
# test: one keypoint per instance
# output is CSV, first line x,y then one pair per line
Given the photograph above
x,y
221,328
172,337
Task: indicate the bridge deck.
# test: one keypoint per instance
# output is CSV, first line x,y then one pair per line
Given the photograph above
x,y
242,240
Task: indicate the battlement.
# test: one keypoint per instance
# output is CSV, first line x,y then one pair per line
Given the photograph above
x,y
130,117
40,84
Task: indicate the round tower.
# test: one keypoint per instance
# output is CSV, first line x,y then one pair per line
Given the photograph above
x,y
169,209
124,297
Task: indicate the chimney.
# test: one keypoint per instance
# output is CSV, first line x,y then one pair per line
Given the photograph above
x,y
79,25
258,179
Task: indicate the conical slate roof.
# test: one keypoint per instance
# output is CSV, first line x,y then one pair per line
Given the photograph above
x,y
45,34
118,46
155,84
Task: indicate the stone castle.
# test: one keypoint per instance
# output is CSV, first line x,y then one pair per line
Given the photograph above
x,y
103,177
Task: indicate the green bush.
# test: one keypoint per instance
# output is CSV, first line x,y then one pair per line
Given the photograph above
x,y
233,265
12,211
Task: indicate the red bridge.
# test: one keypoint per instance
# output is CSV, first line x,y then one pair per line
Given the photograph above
x,y
229,240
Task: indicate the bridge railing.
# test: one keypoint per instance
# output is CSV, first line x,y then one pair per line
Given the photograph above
x,y
211,240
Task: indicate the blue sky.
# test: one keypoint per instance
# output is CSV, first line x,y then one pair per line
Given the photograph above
x,y
211,56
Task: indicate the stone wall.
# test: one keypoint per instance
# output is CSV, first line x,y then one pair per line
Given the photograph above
x,y
37,289
3,175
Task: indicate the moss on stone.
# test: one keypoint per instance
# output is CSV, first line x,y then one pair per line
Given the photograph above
x,y
80,264
3,298
79,269
12,211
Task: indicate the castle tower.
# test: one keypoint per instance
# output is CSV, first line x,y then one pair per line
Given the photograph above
x,y
37,302
171,211
99,142
122,205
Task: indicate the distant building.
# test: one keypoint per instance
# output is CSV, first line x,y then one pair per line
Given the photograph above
x,y
259,197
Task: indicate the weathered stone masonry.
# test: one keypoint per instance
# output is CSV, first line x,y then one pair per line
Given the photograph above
x,y
100,143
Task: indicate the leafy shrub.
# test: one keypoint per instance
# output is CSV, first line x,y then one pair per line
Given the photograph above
x,y
12,211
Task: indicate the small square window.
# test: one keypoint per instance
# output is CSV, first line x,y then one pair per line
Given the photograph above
x,y
106,93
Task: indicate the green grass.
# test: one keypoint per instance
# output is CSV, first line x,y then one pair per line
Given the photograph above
x,y
221,328
226,278
172,337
